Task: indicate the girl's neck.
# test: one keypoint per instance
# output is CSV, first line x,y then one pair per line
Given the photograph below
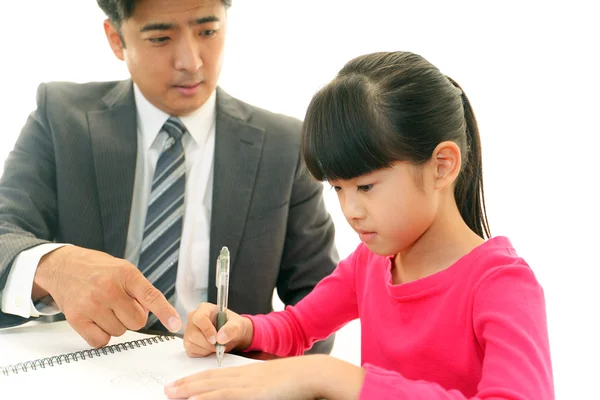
x,y
447,240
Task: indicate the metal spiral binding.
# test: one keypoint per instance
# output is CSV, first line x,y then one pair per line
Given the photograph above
x,y
80,355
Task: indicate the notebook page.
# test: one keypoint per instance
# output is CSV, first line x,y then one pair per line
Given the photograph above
x,y
28,343
140,373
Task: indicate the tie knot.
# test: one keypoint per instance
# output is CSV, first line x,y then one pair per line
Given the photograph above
x,y
174,128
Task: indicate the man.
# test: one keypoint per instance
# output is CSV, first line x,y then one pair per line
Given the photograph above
x,y
118,196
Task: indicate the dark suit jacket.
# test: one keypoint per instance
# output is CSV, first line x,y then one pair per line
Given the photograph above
x,y
70,179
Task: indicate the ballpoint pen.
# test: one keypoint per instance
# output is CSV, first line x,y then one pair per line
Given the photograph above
x,y
222,282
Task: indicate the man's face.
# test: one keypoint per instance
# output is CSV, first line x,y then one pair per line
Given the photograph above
x,y
173,50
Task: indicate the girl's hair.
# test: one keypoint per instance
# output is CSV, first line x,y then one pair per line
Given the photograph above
x,y
394,106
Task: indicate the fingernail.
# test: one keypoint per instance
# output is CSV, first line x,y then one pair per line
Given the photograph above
x,y
222,337
212,340
174,324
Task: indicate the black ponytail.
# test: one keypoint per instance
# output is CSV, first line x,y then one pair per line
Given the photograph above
x,y
468,192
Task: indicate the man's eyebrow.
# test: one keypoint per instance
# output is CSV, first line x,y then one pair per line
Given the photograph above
x,y
163,26
157,26
204,20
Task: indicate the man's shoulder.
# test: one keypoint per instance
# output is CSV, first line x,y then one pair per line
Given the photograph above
x,y
88,95
275,121
269,121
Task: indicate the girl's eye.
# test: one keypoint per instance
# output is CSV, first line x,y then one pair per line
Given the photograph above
x,y
365,188
336,188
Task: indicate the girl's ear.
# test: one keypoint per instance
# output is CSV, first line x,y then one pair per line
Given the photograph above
x,y
447,162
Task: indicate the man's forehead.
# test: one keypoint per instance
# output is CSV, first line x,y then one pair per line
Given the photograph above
x,y
151,9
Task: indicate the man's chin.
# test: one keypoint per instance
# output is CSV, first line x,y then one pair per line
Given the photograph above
x,y
187,105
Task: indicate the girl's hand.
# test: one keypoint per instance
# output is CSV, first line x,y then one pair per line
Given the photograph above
x,y
286,379
295,378
200,334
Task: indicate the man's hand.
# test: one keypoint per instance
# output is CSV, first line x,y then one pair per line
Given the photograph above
x,y
100,295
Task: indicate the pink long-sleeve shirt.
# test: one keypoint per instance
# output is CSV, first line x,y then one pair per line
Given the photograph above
x,y
476,330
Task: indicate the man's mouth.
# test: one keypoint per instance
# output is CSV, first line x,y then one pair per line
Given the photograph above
x,y
188,85
188,88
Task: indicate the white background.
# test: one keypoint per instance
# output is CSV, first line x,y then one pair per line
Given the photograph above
x,y
531,70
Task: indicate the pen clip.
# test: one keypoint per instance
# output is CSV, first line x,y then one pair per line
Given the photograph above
x,y
222,266
222,278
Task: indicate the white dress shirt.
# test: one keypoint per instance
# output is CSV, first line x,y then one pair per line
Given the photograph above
x,y
192,270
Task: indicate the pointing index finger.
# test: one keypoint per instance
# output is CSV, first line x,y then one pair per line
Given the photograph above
x,y
138,287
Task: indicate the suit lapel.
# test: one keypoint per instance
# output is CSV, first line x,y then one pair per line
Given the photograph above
x,y
238,147
114,147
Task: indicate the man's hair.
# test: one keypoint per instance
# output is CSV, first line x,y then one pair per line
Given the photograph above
x,y
120,10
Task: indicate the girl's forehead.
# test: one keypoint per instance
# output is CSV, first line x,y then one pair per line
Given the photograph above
x,y
397,168
352,180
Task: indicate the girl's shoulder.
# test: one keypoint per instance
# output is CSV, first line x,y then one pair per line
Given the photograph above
x,y
496,252
496,262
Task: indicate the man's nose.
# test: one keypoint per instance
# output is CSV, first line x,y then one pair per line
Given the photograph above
x,y
188,57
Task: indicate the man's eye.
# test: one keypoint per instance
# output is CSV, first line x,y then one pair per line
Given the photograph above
x,y
208,33
365,188
159,40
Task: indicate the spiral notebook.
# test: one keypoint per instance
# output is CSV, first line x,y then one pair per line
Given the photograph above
x,y
52,361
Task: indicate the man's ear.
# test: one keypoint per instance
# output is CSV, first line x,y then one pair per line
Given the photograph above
x,y
446,159
114,39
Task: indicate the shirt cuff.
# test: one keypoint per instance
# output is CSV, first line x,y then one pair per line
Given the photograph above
x,y
256,344
16,297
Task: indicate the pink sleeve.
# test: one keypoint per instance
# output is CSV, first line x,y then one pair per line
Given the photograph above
x,y
330,305
510,325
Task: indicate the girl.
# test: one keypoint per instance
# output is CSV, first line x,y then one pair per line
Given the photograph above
x,y
445,313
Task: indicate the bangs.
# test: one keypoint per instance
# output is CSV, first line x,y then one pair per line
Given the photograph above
x,y
340,131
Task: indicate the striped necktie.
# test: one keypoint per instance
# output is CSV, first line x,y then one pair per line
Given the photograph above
x,y
159,254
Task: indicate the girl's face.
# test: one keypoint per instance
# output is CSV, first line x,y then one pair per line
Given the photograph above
x,y
390,209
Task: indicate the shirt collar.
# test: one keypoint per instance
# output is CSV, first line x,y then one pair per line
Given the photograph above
x,y
151,119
